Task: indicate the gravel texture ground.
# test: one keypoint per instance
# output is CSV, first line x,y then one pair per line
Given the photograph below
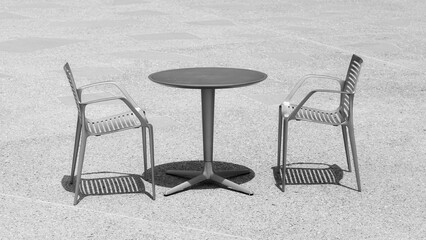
x,y
126,40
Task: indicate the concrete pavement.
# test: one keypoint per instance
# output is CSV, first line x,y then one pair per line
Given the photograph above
x,y
126,40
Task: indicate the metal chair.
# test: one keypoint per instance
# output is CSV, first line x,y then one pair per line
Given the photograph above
x,y
134,118
341,116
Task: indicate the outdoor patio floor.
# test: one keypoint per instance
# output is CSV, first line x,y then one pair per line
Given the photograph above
x,y
126,40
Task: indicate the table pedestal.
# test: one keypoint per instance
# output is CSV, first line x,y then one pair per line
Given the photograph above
x,y
207,104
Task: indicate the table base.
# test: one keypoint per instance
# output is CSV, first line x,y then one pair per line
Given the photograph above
x,y
208,174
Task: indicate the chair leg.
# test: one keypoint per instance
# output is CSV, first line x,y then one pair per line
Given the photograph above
x,y
80,168
76,145
144,149
151,151
285,140
355,156
345,141
280,129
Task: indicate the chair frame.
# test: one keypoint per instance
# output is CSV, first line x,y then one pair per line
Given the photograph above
x,y
347,124
82,131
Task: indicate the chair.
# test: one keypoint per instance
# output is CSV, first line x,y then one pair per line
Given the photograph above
x,y
341,116
134,118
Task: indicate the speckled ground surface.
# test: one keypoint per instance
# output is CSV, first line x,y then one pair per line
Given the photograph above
x,y
126,40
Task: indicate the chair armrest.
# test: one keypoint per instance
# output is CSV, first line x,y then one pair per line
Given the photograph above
x,y
308,96
129,104
99,100
122,90
311,76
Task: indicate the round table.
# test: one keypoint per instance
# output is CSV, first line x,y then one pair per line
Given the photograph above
x,y
207,79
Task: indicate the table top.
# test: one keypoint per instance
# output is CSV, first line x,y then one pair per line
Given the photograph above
x,y
207,77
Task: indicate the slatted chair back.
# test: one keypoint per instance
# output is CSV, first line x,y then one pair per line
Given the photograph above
x,y
350,85
73,87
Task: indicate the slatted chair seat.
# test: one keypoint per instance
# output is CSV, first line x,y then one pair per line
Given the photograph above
x,y
113,123
85,127
315,115
342,116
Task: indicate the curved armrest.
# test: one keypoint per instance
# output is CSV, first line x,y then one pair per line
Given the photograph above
x,y
310,76
129,104
309,95
103,100
122,90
